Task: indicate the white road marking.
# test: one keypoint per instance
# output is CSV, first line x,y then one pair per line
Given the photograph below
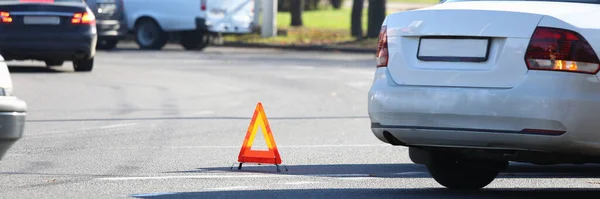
x,y
359,85
82,129
237,147
309,77
301,183
191,177
217,176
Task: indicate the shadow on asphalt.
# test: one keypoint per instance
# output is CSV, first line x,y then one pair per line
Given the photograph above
x,y
197,118
384,193
33,69
516,170
134,49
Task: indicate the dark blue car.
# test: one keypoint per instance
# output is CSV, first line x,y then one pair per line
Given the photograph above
x,y
110,21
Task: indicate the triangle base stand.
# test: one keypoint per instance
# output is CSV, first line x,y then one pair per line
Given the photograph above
x,y
277,166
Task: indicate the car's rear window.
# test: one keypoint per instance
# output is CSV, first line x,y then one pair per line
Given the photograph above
x,y
573,1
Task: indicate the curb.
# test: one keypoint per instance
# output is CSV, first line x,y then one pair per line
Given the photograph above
x,y
288,47
299,48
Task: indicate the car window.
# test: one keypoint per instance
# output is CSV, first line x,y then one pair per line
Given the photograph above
x,y
574,1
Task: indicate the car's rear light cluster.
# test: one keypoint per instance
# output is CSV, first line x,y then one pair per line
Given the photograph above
x,y
560,50
203,5
6,18
83,18
382,48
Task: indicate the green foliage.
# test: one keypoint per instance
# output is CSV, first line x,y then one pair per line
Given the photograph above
x,y
324,19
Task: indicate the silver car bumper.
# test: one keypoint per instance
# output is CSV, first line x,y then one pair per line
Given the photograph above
x,y
550,112
12,122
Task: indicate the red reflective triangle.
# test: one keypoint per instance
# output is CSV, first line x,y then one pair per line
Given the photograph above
x,y
247,155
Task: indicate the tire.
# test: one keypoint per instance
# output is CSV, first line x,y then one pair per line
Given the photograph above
x,y
149,35
194,40
54,63
464,174
107,44
84,65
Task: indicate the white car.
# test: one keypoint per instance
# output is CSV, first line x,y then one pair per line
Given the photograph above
x,y
194,22
12,112
469,85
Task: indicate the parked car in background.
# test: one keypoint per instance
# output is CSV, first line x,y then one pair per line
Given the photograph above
x,y
50,31
469,85
194,22
111,22
12,112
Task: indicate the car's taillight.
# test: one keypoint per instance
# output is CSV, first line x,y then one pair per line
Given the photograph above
x,y
560,50
203,5
6,18
83,18
382,48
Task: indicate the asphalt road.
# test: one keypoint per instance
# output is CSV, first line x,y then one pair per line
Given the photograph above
x,y
170,124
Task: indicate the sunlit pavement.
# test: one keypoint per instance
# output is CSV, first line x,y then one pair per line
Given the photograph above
x,y
154,124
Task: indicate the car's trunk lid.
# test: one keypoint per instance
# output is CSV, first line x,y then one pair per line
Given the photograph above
x,y
229,15
460,46
42,17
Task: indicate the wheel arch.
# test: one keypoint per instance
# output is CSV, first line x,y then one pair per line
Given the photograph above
x,y
146,17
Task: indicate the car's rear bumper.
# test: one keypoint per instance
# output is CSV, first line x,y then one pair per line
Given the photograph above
x,y
223,27
12,123
548,111
111,29
44,46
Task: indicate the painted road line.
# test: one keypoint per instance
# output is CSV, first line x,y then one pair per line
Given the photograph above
x,y
237,147
301,183
228,175
114,126
190,177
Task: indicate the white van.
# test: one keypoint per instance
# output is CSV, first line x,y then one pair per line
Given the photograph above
x,y
192,21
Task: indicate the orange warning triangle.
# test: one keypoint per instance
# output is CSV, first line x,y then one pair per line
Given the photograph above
x,y
247,155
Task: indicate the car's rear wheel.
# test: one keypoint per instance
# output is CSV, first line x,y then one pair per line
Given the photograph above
x,y
194,40
460,173
54,63
83,65
107,44
149,35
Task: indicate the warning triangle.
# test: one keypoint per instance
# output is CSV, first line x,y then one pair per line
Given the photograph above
x,y
259,123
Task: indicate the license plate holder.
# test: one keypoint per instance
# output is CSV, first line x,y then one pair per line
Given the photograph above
x,y
41,20
453,49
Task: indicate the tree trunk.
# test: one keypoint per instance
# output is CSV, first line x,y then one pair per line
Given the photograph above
x,y
337,4
356,24
377,13
296,11
311,5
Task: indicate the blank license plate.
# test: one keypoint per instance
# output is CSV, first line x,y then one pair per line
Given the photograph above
x,y
469,50
41,20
